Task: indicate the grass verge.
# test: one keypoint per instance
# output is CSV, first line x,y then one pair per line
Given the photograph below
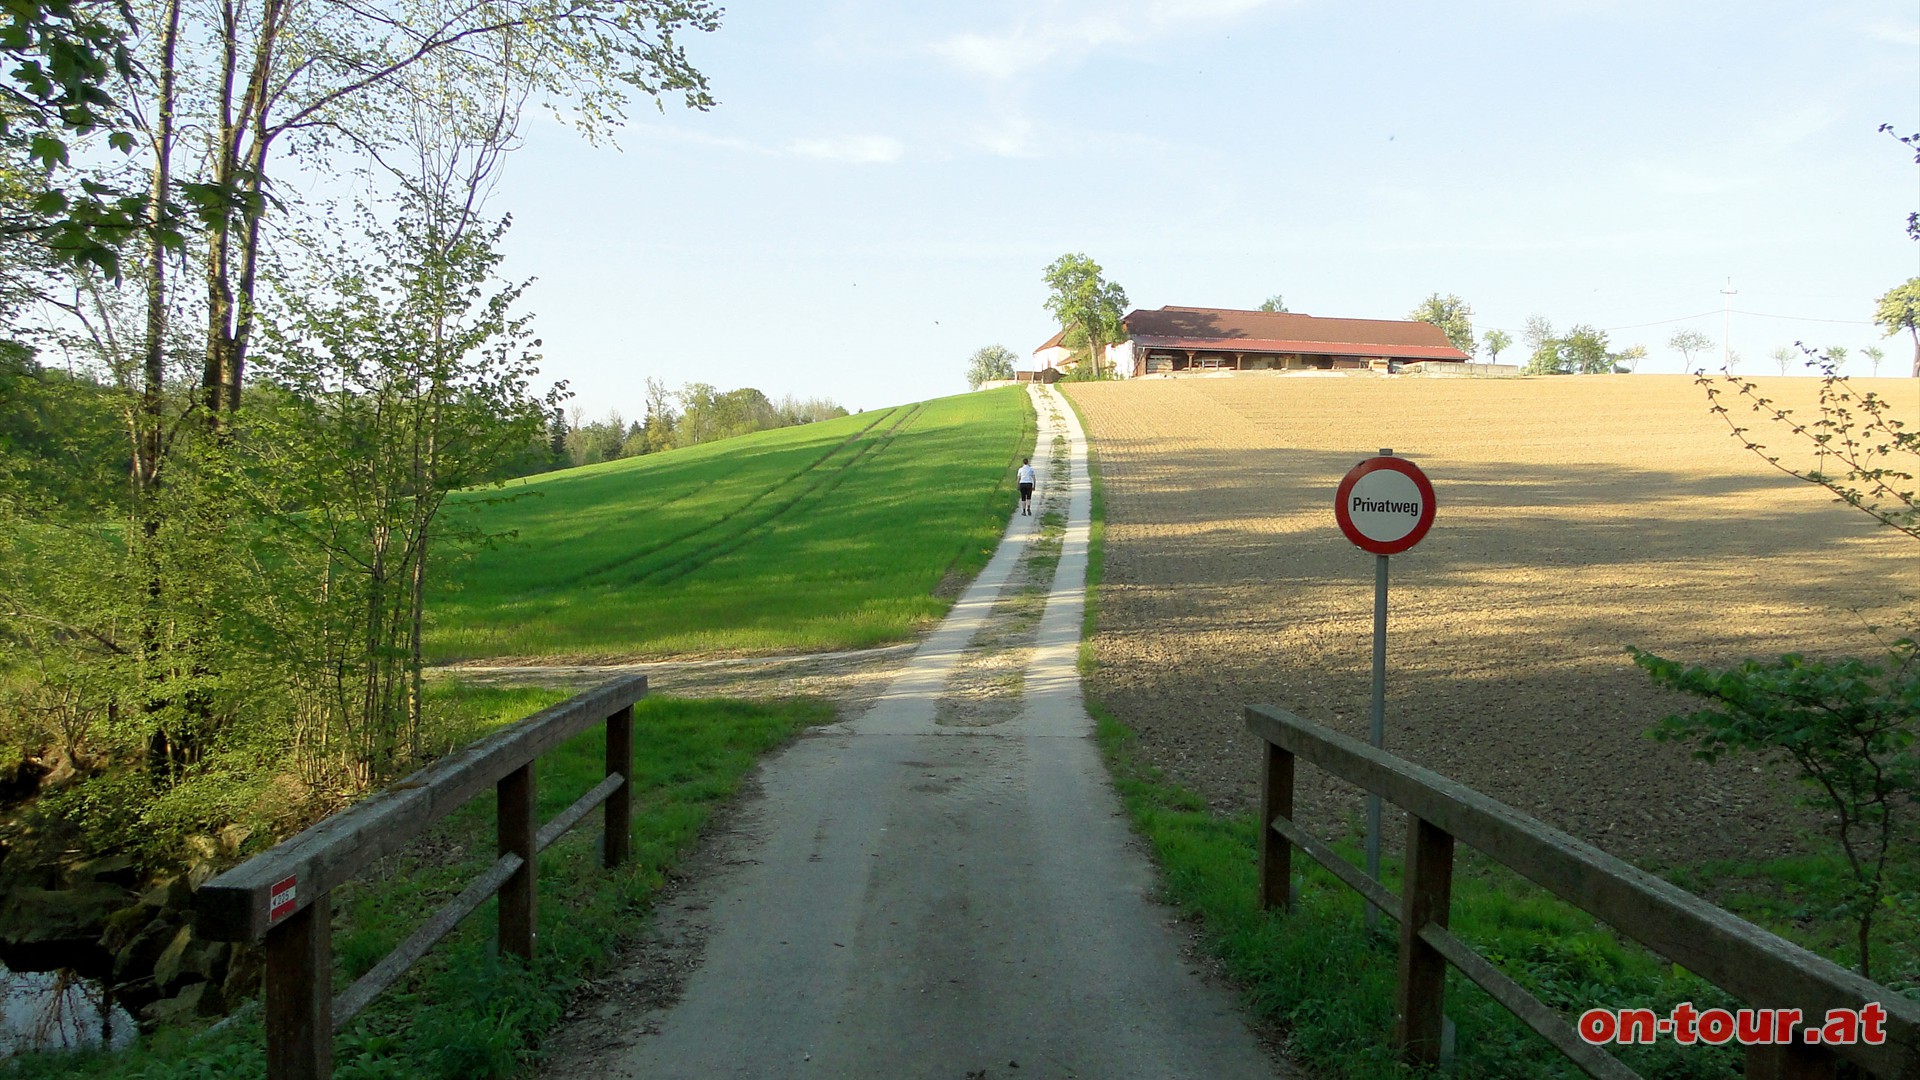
x,y
464,1011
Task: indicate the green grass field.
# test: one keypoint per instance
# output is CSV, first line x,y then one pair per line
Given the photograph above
x,y
841,534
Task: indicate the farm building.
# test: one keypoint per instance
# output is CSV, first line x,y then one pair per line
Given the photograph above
x,y
1175,339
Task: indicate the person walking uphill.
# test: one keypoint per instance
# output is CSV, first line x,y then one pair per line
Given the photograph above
x,y
1027,479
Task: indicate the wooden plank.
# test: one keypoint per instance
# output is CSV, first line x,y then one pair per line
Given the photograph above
x,y
514,816
235,906
1426,897
1355,878
1276,855
568,818
1791,1061
619,820
1759,967
1532,1012
395,964
299,995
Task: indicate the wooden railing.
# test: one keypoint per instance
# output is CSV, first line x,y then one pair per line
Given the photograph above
x,y
282,896
1759,968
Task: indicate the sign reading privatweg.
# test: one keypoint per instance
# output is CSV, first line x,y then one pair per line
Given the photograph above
x,y
1385,505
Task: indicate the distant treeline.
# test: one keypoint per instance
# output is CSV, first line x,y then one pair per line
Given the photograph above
x,y
696,413
63,434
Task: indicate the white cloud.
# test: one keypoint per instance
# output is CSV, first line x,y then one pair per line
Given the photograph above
x,y
1063,34
854,149
1905,34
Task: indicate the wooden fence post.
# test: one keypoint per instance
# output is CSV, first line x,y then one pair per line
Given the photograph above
x,y
1425,896
516,825
1276,851
299,993
619,828
1791,1061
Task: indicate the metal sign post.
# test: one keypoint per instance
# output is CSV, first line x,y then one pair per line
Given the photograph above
x,y
1385,506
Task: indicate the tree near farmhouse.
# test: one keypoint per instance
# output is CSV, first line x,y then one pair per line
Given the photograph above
x,y
1452,315
1899,309
1584,351
1496,342
989,363
1087,305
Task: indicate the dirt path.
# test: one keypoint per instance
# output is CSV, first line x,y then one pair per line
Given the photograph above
x,y
943,885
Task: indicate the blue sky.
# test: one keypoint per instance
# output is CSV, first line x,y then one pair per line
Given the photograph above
x,y
881,184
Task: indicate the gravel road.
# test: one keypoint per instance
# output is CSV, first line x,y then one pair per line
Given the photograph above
x,y
943,885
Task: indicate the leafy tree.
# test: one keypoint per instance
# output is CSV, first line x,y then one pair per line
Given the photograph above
x,y
1785,357
1087,305
1584,351
1496,342
988,363
335,79
1631,356
1848,727
1837,356
663,419
1543,348
1874,354
1899,309
61,64
1274,304
407,377
1688,342
1452,316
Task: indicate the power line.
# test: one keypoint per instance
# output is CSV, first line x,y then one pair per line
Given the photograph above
x,y
1660,322
1737,311
1797,318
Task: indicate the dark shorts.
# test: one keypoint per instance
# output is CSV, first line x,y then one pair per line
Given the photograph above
x,y
1026,492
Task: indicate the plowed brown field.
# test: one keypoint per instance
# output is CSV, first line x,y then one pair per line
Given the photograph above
x,y
1576,515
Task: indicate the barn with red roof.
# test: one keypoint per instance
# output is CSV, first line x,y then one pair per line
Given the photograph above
x,y
1171,340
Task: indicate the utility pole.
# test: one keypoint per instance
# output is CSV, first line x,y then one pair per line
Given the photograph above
x,y
1726,327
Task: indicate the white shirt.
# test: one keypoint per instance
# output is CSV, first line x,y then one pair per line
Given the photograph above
x,y
1026,474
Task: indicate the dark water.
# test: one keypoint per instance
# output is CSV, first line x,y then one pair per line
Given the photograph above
x,y
55,1010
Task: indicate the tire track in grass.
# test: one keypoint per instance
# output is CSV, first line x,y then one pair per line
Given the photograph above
x,y
822,485
587,575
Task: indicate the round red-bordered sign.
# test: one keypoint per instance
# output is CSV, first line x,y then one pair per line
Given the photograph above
x,y
1384,505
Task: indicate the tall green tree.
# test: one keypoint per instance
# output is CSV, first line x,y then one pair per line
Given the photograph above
x,y
1899,309
1452,315
989,362
1087,306
1584,351
1496,342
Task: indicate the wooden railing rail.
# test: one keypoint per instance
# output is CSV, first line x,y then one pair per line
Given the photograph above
x,y
283,896
1754,965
